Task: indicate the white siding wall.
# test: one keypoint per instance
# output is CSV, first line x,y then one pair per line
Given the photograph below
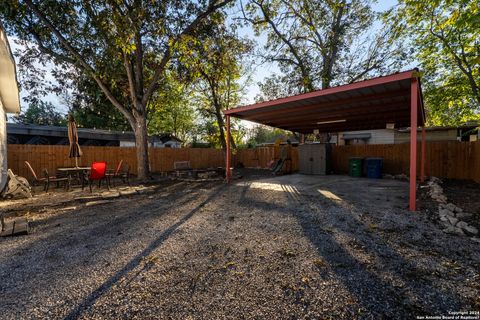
x,y
130,144
168,144
3,147
380,136
127,143
434,135
390,136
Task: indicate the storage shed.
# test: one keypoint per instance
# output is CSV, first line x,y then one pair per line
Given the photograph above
x,y
314,158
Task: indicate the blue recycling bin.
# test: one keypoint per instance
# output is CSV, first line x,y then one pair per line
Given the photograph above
x,y
374,167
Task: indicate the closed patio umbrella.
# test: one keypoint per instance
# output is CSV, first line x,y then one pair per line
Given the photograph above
x,y
75,151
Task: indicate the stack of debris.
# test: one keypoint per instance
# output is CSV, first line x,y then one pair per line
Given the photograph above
x,y
16,187
15,226
451,216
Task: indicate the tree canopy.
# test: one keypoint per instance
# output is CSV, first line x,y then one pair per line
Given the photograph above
x,y
217,62
445,36
41,113
318,44
171,110
90,107
125,47
260,134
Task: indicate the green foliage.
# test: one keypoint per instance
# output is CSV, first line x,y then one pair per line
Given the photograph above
x,y
446,39
449,101
264,134
41,113
102,116
216,63
274,87
91,108
124,47
171,112
208,133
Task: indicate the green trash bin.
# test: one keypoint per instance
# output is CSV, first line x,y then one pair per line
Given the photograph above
x,y
355,167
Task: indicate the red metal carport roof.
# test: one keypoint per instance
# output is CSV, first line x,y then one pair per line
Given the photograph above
x,y
369,104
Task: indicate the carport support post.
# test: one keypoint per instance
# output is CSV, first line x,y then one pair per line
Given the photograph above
x,y
227,156
413,143
422,159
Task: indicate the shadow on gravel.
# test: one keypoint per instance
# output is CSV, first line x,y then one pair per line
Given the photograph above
x,y
109,283
378,297
79,227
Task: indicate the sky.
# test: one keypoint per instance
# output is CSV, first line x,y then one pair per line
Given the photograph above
x,y
48,77
259,72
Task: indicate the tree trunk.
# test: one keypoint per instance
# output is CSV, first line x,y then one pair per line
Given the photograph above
x,y
221,126
333,43
232,142
141,144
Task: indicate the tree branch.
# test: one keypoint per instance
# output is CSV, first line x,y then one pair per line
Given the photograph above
x,y
131,85
78,57
305,74
49,51
139,72
168,51
308,22
459,62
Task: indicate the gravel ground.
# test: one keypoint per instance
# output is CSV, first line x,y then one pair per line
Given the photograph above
x,y
290,247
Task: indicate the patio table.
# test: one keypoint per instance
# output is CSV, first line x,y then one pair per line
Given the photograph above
x,y
81,173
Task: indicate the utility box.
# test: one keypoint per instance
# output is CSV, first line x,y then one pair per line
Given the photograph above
x,y
314,158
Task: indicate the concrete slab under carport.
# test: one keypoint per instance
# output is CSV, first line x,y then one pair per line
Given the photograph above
x,y
365,193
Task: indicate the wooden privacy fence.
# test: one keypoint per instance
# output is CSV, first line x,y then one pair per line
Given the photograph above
x,y
161,159
261,156
453,160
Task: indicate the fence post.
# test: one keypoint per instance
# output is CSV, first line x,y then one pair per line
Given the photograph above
x,y
227,157
413,143
422,159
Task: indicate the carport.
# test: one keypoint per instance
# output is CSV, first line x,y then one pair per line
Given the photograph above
x,y
371,104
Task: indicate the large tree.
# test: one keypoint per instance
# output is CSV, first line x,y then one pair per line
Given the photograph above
x,y
124,46
319,43
218,62
446,37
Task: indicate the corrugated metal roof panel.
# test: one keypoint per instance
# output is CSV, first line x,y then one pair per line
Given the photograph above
x,y
363,105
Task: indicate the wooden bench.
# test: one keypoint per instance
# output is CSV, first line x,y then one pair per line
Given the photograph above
x,y
182,168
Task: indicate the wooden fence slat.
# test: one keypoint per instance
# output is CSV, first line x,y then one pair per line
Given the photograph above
x,y
455,160
52,157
